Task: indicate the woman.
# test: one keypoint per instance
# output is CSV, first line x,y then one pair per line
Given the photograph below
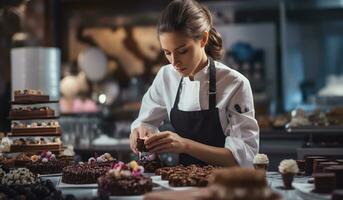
x,y
209,104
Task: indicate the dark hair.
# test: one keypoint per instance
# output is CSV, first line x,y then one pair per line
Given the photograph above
x,y
189,17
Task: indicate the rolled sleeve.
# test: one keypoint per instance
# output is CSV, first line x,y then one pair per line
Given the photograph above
x,y
243,132
153,109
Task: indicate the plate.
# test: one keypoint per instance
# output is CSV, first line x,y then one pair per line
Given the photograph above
x,y
49,175
305,191
60,184
126,197
165,185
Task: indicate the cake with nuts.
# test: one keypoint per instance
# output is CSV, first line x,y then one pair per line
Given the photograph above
x,y
88,173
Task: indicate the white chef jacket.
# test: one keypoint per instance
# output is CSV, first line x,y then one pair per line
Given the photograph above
x,y
241,128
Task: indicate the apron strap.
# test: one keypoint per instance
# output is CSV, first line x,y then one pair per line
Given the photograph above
x,y
211,91
177,98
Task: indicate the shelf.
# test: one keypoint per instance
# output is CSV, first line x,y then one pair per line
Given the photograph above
x,y
32,118
315,129
35,148
35,102
36,132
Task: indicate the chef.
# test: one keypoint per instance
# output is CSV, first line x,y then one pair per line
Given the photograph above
x,y
209,105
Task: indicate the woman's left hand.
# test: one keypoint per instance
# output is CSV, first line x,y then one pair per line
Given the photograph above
x,y
166,141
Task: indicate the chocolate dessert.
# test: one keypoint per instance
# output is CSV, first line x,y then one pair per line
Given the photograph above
x,y
322,165
324,182
84,173
140,145
46,163
123,180
316,162
191,175
309,164
37,129
338,171
87,173
31,112
30,95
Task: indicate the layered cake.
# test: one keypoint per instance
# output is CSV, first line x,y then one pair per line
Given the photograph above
x,y
338,171
316,162
150,162
31,112
87,173
46,163
309,163
324,182
323,165
124,180
30,95
20,176
43,128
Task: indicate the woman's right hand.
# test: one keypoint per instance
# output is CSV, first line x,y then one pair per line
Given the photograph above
x,y
139,132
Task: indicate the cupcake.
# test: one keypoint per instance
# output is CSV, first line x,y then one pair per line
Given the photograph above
x,y
261,161
288,168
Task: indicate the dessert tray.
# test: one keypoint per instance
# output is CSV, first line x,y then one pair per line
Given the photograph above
x,y
305,190
42,131
165,184
60,184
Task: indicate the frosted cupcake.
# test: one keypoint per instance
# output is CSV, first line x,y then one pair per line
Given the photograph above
x,y
288,168
261,161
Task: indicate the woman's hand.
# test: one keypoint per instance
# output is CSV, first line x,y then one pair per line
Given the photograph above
x,y
166,141
139,132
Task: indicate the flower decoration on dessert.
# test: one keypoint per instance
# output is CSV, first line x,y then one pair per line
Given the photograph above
x,y
106,157
46,156
121,169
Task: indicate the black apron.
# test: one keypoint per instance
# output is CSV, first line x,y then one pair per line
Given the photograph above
x,y
201,126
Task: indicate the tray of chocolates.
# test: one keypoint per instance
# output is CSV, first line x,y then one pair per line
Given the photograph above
x,y
30,96
35,145
51,128
32,113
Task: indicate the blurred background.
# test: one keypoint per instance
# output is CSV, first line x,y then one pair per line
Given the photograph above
x,y
108,54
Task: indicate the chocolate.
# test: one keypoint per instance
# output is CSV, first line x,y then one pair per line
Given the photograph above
x,y
86,173
50,167
324,182
31,113
141,146
338,171
124,185
29,96
309,164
